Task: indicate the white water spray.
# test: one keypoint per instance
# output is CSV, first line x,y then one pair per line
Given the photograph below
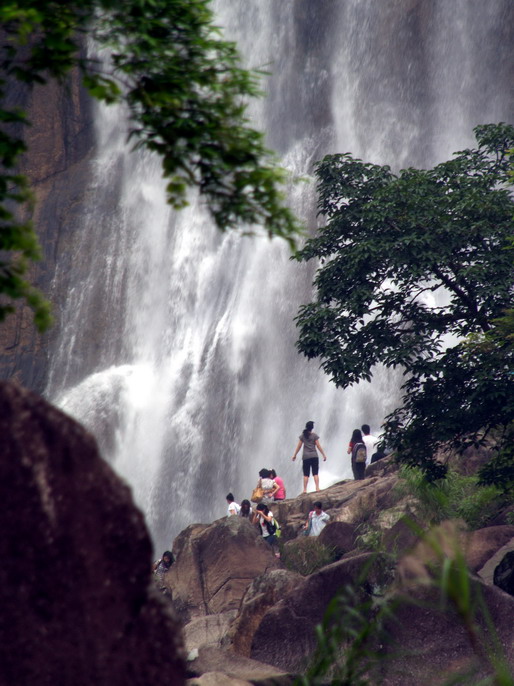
x,y
177,342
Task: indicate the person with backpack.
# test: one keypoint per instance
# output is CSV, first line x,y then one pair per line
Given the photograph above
x,y
268,525
358,451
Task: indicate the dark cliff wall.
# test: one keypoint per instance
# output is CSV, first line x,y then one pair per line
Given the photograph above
x,y
60,141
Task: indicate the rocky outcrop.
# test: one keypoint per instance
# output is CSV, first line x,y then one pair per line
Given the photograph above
x,y
427,643
485,543
352,502
208,630
304,607
263,594
340,536
224,668
77,603
60,140
214,566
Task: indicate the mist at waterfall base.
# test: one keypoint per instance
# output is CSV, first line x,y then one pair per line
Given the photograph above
x,y
176,343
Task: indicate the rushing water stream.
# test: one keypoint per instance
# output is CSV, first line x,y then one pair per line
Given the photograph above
x,y
176,345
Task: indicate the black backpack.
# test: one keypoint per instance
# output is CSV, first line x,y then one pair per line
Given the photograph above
x,y
273,528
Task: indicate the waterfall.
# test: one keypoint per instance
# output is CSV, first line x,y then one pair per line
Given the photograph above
x,y
176,342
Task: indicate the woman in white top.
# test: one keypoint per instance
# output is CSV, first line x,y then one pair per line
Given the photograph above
x,y
264,517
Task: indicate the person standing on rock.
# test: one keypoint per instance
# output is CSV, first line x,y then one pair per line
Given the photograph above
x,y
355,448
310,459
233,508
370,441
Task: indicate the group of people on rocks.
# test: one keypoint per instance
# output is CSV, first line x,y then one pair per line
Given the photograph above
x,y
271,489
364,449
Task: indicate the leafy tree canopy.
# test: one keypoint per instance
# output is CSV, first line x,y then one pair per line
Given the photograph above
x,y
411,266
186,94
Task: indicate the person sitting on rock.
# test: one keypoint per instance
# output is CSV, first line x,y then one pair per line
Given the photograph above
x,y
281,493
246,511
267,484
233,508
316,521
264,518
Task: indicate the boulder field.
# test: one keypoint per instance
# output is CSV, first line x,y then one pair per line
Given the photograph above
x,y
270,619
79,606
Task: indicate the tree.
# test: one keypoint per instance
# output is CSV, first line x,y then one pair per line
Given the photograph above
x,y
187,98
412,265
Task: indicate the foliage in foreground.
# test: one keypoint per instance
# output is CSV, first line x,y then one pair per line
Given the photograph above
x,y
455,497
353,641
186,94
417,272
306,554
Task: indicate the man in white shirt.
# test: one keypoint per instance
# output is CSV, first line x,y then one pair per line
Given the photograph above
x,y
370,442
233,508
317,520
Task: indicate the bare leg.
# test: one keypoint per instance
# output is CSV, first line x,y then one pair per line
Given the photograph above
x,y
305,482
316,481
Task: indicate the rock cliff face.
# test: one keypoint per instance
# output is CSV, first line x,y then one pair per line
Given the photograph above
x,y
78,605
60,140
215,565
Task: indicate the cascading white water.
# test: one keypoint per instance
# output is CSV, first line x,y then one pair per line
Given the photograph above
x,y
176,344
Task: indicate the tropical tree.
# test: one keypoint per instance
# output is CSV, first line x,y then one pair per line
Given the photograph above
x,y
411,266
186,94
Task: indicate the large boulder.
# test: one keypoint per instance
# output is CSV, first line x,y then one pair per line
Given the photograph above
x,y
484,543
340,536
445,620
214,566
351,502
78,605
426,643
208,630
285,636
402,536
264,592
217,667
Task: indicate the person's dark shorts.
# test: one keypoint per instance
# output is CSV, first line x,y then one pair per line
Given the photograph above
x,y
311,463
